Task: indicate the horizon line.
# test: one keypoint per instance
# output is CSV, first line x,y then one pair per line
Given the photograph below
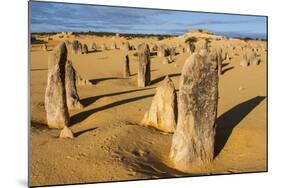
x,y
223,34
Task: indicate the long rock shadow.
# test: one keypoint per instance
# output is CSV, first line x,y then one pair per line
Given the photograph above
x,y
155,81
153,53
38,126
88,101
77,134
224,65
226,69
83,115
228,120
137,73
94,51
96,81
37,41
38,69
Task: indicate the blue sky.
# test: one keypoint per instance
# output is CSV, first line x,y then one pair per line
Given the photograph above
x,y
57,17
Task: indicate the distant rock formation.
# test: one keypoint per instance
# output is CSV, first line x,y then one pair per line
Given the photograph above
x,y
245,60
253,57
126,70
163,50
44,47
103,47
76,47
126,46
85,49
114,46
144,65
94,46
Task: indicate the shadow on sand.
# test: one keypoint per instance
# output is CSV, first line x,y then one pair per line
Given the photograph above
x,y
90,100
93,51
37,41
155,81
38,126
96,81
228,120
83,115
38,69
224,64
153,53
226,69
137,73
77,134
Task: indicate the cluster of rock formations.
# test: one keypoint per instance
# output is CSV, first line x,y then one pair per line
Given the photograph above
x,y
61,93
125,46
190,116
78,48
250,57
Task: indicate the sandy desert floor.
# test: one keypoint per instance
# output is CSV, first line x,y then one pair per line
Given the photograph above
x,y
111,145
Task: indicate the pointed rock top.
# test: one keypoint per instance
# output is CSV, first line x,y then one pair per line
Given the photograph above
x,y
167,82
167,79
59,55
66,133
61,47
68,62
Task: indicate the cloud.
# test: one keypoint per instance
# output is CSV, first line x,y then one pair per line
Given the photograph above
x,y
49,12
56,17
216,22
96,18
